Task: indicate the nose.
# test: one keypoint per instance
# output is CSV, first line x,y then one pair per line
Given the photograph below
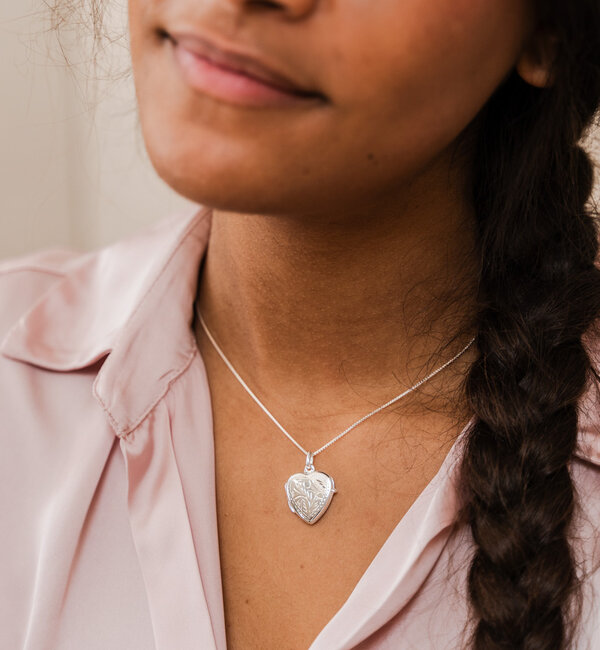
x,y
292,8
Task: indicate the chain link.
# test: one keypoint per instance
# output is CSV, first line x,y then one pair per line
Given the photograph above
x,y
352,426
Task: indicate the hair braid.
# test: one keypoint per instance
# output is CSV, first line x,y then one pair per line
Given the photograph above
x,y
539,292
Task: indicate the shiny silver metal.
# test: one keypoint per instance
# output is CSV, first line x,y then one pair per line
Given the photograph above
x,y
309,494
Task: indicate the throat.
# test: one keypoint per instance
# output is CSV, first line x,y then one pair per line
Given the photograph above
x,y
339,323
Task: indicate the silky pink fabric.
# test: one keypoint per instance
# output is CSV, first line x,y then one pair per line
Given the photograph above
x,y
109,531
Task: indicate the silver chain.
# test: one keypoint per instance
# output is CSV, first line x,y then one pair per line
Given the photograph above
x,y
352,426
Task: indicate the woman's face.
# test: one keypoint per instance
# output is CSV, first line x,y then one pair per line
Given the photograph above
x,y
401,80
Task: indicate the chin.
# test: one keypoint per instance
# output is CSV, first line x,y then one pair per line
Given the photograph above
x,y
231,174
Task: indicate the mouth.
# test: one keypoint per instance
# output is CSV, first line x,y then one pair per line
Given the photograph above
x,y
234,76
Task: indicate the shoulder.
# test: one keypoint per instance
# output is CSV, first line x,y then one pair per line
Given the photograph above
x,y
64,309
26,278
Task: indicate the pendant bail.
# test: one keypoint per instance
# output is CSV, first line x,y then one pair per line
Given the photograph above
x,y
308,466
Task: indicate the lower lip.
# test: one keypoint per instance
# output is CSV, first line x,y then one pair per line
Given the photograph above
x,y
232,87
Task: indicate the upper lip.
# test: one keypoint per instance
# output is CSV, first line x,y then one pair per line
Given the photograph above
x,y
236,60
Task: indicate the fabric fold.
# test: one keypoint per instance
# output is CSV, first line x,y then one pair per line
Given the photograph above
x,y
412,549
58,536
162,537
110,523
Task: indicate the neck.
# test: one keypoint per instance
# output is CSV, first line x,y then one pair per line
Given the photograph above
x,y
319,311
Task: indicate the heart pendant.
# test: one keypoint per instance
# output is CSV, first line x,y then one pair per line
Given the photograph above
x,y
309,493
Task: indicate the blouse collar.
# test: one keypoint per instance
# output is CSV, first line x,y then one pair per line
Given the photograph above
x,y
132,304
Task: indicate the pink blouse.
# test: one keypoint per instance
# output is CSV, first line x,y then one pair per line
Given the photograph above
x,y
109,532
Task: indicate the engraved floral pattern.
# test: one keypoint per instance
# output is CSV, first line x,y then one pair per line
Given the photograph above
x,y
309,494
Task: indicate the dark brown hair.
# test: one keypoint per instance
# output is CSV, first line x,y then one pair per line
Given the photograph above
x,y
539,291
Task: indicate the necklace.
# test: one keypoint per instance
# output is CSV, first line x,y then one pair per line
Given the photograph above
x,y
309,493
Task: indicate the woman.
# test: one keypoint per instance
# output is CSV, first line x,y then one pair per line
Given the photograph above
x,y
391,263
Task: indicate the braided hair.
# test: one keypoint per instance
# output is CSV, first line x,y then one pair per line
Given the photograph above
x,y
539,292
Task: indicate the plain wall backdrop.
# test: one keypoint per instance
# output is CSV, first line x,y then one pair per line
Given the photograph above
x,y
74,170
72,161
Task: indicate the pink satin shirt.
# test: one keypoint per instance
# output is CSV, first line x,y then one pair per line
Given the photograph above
x,y
109,531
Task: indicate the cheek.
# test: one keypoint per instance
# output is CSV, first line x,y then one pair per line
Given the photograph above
x,y
429,40
423,68
141,44
405,77
136,20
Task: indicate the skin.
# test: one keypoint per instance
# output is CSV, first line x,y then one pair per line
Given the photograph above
x,y
341,266
371,174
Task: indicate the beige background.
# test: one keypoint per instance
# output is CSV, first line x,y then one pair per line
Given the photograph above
x,y
72,161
